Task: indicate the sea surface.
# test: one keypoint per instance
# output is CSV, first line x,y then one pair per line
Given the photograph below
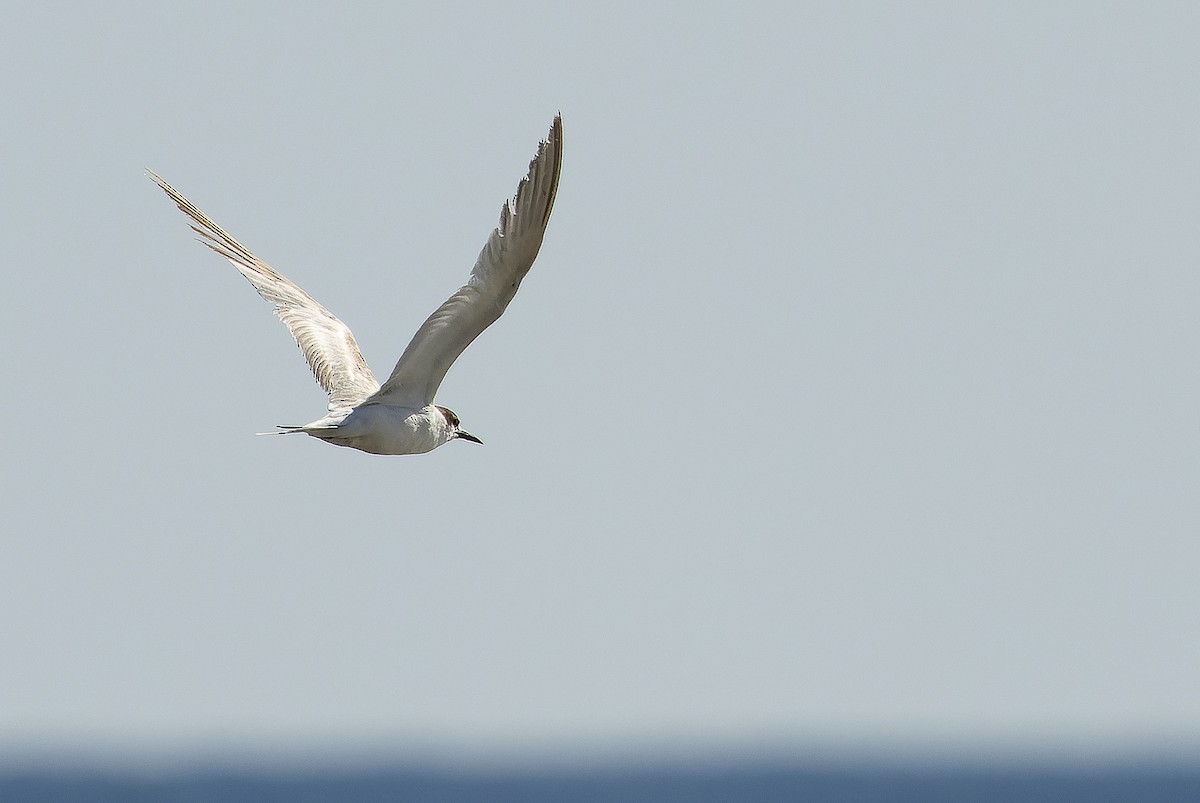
x,y
746,784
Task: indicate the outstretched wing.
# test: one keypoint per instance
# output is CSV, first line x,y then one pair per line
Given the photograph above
x,y
497,274
327,343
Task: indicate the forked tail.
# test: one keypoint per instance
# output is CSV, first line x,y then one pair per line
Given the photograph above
x,y
286,430
282,430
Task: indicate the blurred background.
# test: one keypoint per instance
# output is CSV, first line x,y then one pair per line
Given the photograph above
x,y
843,436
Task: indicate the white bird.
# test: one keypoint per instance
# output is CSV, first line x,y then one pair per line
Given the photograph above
x,y
400,417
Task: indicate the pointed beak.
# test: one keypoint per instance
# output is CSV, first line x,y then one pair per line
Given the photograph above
x,y
467,436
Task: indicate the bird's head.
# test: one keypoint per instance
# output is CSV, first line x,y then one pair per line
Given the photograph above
x,y
456,430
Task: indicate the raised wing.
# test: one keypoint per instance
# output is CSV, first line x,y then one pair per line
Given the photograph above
x,y
497,274
327,343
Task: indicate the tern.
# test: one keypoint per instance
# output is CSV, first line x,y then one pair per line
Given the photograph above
x,y
400,417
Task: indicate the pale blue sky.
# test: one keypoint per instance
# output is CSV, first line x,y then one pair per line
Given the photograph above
x,y
853,395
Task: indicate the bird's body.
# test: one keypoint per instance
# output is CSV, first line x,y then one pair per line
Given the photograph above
x,y
399,416
381,428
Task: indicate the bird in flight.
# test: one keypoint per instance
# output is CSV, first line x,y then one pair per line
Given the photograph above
x,y
399,417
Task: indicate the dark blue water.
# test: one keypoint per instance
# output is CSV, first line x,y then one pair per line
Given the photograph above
x,y
666,785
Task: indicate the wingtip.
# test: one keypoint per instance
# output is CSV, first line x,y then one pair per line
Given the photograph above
x,y
164,186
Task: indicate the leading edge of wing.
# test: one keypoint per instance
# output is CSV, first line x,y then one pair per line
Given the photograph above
x,y
502,264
